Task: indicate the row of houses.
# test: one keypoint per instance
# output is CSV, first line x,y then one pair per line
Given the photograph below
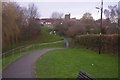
x,y
45,22
49,21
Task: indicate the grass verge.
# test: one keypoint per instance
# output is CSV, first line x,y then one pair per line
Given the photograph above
x,y
68,62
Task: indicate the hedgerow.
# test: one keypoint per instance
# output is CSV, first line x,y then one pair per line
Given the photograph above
x,y
109,43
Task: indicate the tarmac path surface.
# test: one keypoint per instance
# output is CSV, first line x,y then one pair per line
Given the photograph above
x,y
24,66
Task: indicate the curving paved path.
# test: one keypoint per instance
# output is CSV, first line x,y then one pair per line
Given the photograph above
x,y
24,67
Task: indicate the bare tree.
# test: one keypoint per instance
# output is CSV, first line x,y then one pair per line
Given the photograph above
x,y
33,27
87,21
112,13
56,15
87,16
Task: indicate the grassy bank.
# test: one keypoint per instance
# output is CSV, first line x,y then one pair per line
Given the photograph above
x,y
42,38
46,37
68,62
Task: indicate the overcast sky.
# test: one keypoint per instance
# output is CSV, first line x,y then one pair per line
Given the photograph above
x,y
75,7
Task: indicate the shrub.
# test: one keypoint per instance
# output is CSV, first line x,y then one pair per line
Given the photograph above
x,y
109,42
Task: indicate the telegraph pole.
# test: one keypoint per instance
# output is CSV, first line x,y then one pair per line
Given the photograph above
x,y
101,17
101,27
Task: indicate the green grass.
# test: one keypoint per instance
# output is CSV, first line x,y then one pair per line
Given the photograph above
x,y
48,38
44,37
53,45
12,57
68,62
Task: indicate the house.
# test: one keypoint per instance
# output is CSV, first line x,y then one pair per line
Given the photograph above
x,y
46,22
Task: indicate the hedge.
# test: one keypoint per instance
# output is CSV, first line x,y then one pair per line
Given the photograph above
x,y
109,43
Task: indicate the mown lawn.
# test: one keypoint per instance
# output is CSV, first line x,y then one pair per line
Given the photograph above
x,y
68,62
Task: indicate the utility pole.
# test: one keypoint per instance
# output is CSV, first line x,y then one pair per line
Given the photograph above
x,y
101,28
101,16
